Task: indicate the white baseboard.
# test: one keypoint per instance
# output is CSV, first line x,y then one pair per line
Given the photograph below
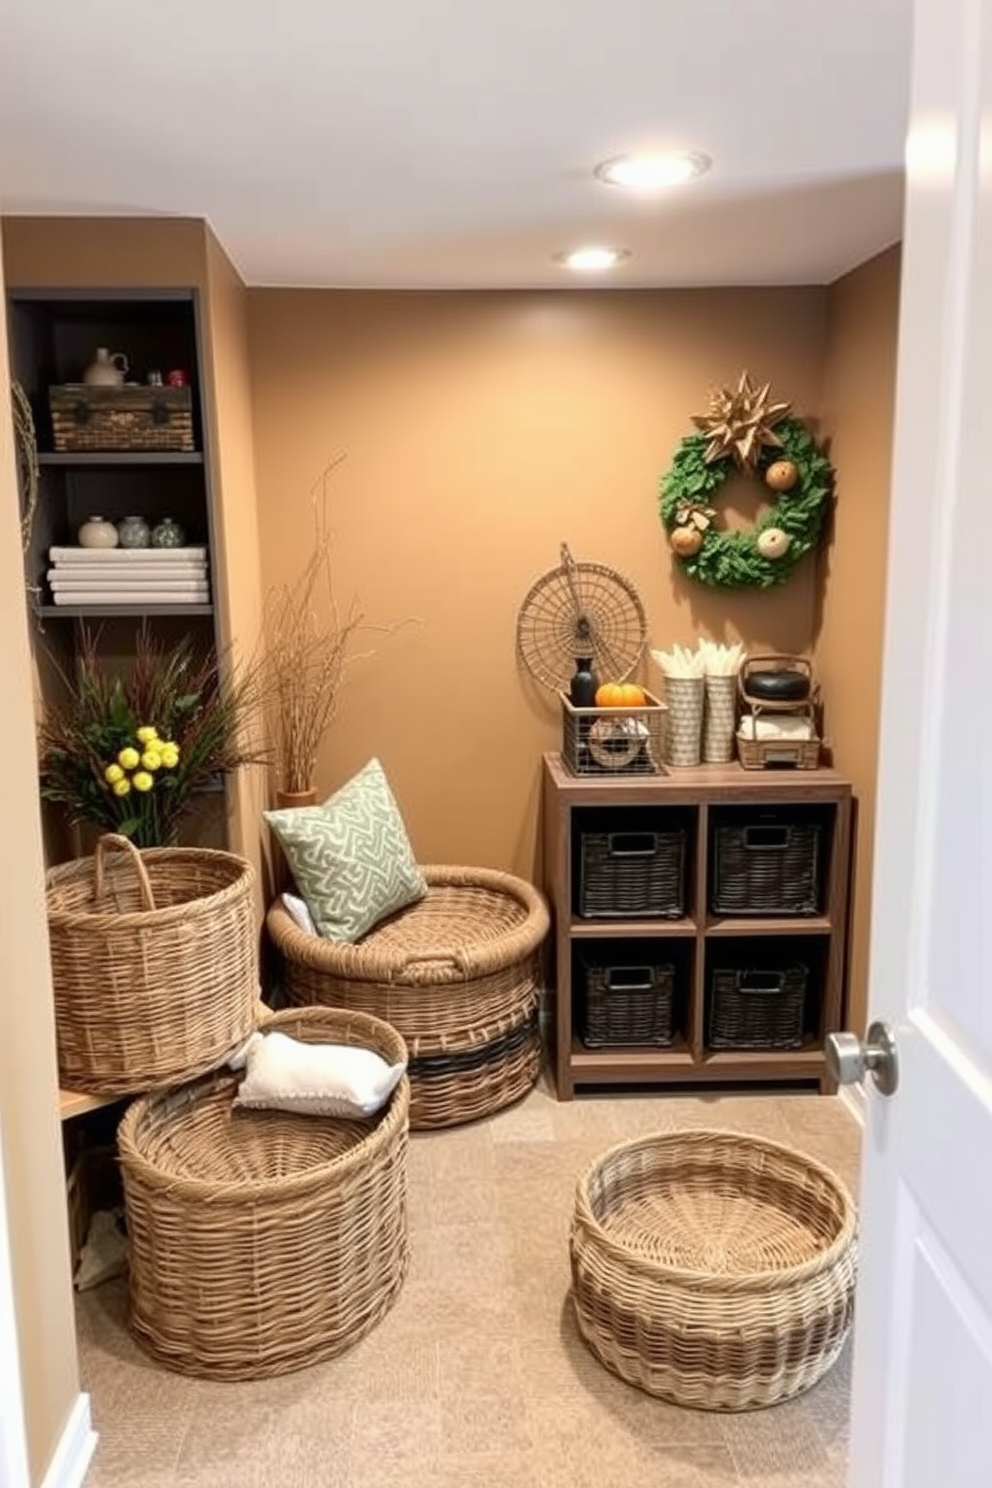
x,y
71,1458
855,1100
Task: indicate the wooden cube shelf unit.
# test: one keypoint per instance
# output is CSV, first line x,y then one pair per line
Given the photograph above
x,y
703,803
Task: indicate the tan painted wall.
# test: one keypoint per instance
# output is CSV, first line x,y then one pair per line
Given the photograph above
x,y
482,430
858,407
225,327
103,252
32,1156
163,253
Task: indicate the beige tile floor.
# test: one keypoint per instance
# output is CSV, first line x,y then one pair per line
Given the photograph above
x,y
477,1378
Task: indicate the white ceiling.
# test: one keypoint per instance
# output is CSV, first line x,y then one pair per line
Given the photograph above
x,y
450,143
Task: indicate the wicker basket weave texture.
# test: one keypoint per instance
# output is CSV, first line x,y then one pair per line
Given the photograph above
x,y
87,418
154,964
769,865
628,1005
477,1074
632,874
454,973
757,1009
713,1269
262,1241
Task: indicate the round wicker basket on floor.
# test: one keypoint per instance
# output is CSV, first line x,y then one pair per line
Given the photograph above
x,y
154,963
262,1241
456,973
713,1269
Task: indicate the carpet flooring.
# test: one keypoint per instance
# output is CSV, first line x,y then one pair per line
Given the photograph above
x,y
478,1377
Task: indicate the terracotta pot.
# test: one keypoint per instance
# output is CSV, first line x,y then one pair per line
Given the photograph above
x,y
289,799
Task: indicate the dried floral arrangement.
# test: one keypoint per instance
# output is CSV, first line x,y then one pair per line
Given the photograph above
x,y
127,753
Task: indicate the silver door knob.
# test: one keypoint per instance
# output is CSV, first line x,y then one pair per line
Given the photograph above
x,y
849,1060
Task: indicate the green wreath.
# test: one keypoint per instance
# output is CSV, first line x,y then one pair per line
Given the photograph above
x,y
757,557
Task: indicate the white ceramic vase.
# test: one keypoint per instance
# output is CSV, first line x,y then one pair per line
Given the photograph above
x,y
97,532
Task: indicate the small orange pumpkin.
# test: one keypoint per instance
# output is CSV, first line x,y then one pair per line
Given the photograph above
x,y
620,695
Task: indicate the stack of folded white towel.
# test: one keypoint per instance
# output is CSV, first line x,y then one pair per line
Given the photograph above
x,y
129,576
777,726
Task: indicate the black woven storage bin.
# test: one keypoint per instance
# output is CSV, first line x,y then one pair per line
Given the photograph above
x,y
628,1005
632,874
769,865
756,1009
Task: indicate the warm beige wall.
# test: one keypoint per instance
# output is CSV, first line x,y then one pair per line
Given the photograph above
x,y
225,327
102,252
858,402
32,1155
481,430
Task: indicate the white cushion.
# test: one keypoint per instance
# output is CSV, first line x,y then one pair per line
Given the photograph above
x,y
299,912
284,1074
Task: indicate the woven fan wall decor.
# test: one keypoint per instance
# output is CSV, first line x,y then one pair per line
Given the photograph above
x,y
580,610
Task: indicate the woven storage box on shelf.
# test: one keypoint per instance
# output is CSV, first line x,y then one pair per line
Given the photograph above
x,y
613,741
757,1009
86,418
628,1004
768,865
154,963
638,874
456,974
764,754
263,1241
713,1269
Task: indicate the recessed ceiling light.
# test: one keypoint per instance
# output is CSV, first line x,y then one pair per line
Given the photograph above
x,y
653,172
593,259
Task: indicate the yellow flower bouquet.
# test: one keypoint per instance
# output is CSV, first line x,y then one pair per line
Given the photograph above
x,y
128,753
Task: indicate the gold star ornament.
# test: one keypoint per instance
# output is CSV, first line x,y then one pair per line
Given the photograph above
x,y
740,423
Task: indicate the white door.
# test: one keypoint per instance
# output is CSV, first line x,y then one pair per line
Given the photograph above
x,y
923,1338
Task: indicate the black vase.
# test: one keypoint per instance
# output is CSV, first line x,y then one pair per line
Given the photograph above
x,y
583,686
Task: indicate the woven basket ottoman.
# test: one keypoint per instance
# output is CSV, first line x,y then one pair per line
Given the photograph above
x,y
713,1269
457,974
263,1241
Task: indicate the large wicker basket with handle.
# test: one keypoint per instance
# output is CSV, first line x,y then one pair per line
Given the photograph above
x,y
154,963
713,1269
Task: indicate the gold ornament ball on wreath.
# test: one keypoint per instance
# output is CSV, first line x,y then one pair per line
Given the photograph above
x,y
686,541
773,543
781,475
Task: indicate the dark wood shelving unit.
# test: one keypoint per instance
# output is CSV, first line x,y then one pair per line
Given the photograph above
x,y
53,334
84,460
700,796
630,929
123,611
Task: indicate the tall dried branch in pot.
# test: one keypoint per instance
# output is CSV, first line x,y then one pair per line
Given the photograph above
x,y
309,648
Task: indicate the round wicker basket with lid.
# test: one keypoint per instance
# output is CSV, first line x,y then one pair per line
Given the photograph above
x,y
455,973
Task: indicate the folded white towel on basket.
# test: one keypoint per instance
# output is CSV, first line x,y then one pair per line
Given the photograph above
x,y
776,726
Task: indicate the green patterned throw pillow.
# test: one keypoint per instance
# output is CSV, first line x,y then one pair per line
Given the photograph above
x,y
351,857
